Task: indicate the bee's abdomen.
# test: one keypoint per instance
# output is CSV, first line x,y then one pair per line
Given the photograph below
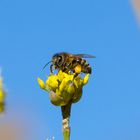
x,y
88,70
85,67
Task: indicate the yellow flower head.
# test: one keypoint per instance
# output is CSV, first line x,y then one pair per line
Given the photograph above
x,y
2,96
64,88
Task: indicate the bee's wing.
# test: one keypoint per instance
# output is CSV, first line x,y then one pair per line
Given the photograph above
x,y
85,55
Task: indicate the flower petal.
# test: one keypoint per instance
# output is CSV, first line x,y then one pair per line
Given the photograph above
x,y
41,83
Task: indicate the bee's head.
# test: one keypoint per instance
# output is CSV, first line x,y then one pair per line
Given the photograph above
x,y
57,60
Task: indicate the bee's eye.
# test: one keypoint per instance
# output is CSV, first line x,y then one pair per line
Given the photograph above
x,y
59,57
59,60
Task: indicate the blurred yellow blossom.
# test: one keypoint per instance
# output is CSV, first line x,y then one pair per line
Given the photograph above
x,y
2,95
64,88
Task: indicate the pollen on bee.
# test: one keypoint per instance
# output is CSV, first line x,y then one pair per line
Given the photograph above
x,y
78,69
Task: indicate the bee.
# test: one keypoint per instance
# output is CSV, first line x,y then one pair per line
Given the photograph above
x,y
70,63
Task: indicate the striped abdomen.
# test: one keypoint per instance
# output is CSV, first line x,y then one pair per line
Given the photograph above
x,y
85,66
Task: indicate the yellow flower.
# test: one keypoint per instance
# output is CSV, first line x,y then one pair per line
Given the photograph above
x,y
2,96
64,88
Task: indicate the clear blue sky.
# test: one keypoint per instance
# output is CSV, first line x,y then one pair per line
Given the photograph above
x,y
32,31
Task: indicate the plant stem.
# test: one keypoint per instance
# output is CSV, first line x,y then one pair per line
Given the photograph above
x,y
66,117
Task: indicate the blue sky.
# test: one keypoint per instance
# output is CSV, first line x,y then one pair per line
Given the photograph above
x,y
32,31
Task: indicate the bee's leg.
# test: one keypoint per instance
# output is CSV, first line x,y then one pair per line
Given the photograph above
x,y
65,69
51,68
75,75
77,70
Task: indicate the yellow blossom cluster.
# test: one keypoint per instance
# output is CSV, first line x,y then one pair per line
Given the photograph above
x,y
2,96
64,88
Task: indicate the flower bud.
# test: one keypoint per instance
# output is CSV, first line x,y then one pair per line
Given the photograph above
x,y
64,87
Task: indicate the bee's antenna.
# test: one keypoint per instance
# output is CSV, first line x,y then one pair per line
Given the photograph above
x,y
46,65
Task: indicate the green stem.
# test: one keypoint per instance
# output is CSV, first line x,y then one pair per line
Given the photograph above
x,y
66,117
